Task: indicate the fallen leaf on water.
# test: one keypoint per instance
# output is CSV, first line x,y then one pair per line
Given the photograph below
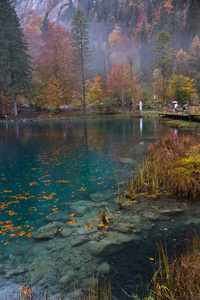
x,y
33,183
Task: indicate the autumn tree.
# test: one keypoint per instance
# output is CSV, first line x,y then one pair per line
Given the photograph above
x,y
15,71
158,86
53,69
181,63
116,82
181,89
34,40
97,92
130,58
114,39
131,86
80,45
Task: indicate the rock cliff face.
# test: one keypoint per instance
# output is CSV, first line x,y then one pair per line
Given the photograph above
x,y
55,8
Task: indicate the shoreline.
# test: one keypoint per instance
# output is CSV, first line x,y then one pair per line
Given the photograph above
x,y
75,114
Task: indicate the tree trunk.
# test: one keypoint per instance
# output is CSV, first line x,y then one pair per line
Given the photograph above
x,y
122,93
15,106
83,82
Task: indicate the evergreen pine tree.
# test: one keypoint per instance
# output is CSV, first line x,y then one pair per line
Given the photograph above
x,y
15,71
163,58
179,5
192,21
163,20
81,45
144,57
45,24
149,12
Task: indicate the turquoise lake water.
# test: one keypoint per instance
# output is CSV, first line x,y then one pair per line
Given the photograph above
x,y
46,167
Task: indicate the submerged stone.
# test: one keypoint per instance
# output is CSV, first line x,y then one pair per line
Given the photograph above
x,y
193,221
112,243
171,211
127,160
17,271
66,232
46,232
103,268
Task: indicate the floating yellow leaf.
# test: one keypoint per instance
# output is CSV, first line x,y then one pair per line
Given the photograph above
x,y
33,183
29,235
11,213
62,181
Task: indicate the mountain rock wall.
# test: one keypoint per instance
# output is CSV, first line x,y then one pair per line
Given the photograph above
x,y
55,8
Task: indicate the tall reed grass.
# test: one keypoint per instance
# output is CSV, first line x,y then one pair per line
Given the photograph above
x,y
171,165
180,278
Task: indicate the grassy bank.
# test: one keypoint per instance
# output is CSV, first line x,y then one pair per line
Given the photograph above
x,y
171,166
184,124
78,114
178,278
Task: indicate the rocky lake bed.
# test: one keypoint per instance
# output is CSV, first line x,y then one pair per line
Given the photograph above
x,y
72,247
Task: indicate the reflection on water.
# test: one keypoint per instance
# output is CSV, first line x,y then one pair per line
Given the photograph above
x,y
48,167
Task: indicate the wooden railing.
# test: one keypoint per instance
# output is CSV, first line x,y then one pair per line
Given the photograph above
x,y
190,110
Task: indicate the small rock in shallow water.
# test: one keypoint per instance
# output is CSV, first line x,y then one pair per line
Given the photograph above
x,y
127,160
16,271
171,211
112,243
46,232
66,232
193,221
103,268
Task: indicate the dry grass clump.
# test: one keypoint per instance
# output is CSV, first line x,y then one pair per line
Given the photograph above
x,y
171,165
179,279
184,178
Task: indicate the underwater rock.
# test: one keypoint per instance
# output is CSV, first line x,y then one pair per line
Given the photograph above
x,y
79,241
66,232
112,243
89,282
36,276
58,216
87,230
151,215
127,160
82,207
171,211
69,276
193,221
122,227
46,232
17,271
100,197
103,268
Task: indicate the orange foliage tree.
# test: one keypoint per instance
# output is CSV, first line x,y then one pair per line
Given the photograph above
x,y
131,86
53,69
34,40
97,91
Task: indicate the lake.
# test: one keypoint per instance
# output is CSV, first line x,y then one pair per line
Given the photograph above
x,y
57,178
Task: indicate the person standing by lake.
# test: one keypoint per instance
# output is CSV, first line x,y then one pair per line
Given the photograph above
x,y
176,106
